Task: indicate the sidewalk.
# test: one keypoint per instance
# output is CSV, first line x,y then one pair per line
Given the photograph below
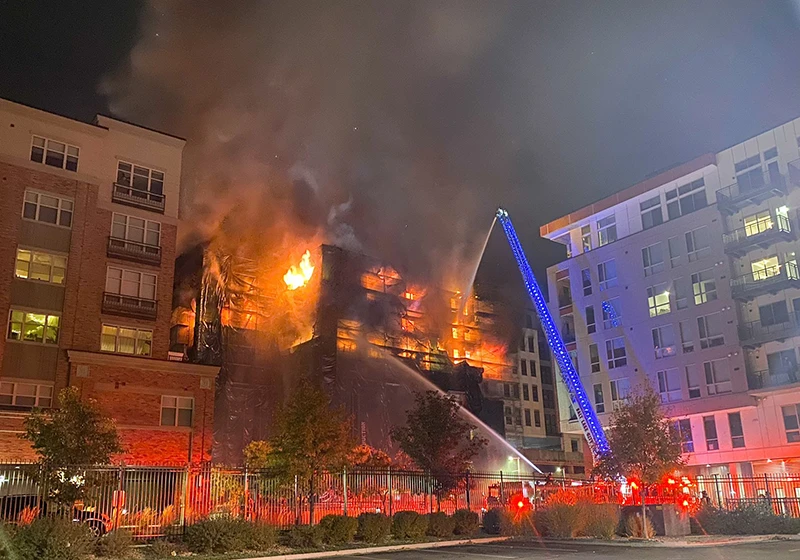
x,y
676,542
376,549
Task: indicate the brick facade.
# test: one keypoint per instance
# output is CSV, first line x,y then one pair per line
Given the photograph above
x,y
129,388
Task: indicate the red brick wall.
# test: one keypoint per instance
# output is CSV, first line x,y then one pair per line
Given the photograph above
x,y
12,447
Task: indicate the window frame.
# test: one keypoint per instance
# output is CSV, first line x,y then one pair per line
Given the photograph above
x,y
147,229
606,282
52,266
177,408
599,404
691,192
668,392
138,342
650,266
61,211
649,209
700,286
46,327
38,398
735,421
142,274
66,156
132,173
710,340
661,349
792,433
606,232
684,426
696,253
656,304
713,384
712,443
612,360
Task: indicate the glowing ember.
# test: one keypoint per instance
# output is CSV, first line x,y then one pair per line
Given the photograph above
x,y
298,276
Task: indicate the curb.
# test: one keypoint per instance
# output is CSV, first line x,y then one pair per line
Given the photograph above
x,y
745,539
377,549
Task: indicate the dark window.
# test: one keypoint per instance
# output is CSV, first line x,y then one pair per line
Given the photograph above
x,y
586,278
574,445
547,375
533,368
686,199
506,390
525,393
591,323
599,401
685,430
651,212
548,399
773,314
537,419
531,344
535,393
710,428
528,322
523,364
527,417
737,430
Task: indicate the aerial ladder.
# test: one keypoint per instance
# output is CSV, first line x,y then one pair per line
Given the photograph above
x,y
584,410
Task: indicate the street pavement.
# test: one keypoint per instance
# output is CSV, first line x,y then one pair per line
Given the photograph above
x,y
512,550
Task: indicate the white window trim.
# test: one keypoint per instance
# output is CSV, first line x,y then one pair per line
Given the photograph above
x,y
39,252
135,340
38,398
60,198
147,223
67,146
136,271
44,338
150,170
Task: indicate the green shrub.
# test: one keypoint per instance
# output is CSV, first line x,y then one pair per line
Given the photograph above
x,y
116,544
338,529
163,548
229,535
305,536
493,520
500,521
52,539
373,527
409,525
440,525
561,521
466,522
755,519
601,521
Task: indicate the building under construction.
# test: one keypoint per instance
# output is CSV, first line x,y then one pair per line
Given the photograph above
x,y
370,336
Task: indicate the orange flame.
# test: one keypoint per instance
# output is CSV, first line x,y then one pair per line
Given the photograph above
x,y
298,276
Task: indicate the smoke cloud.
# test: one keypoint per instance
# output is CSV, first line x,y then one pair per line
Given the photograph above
x,y
353,122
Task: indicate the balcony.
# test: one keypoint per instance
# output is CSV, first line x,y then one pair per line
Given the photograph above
x,y
752,189
129,306
766,379
125,194
769,280
762,234
755,333
133,251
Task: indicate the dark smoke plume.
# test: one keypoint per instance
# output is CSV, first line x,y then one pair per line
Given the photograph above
x,y
345,120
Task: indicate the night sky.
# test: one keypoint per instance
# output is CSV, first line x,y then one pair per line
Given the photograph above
x,y
398,127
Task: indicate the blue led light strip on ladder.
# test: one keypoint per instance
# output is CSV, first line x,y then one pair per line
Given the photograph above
x,y
587,417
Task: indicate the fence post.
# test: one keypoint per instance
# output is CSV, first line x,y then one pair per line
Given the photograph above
x,y
391,493
118,501
502,492
344,490
296,503
768,493
184,496
716,486
246,494
430,492
311,499
466,476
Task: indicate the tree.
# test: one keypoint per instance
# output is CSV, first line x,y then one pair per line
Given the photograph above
x,y
75,433
368,457
643,442
259,454
437,438
311,435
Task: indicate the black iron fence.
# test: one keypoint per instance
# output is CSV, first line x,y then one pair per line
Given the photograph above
x,y
157,501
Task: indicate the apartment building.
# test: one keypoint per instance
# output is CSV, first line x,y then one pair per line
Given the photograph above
x,y
688,281
90,217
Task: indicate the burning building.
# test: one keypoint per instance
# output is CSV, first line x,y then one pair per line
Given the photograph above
x,y
369,335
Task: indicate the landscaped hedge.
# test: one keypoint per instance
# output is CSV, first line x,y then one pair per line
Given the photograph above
x,y
409,525
373,527
466,522
755,519
338,529
49,539
224,535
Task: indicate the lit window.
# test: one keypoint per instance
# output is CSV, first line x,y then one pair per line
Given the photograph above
x,y
653,259
704,286
606,230
686,199
658,300
33,327
177,411
615,353
718,377
26,394
455,332
765,268
126,340
55,154
45,267
607,274
669,385
586,238
758,223
47,208
710,329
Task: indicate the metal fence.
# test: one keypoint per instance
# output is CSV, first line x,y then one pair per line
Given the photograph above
x,y
157,501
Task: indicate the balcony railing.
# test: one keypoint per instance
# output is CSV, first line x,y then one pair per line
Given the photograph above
x,y
767,280
133,250
125,194
761,234
751,189
129,306
756,333
766,379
